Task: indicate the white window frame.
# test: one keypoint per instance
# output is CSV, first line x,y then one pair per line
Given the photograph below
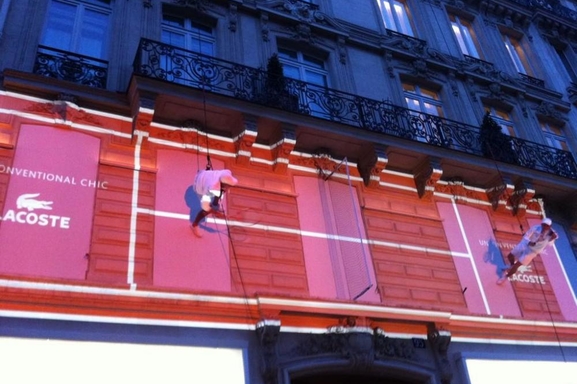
x,y
462,29
304,65
76,44
554,136
395,16
517,55
425,103
566,62
503,118
194,34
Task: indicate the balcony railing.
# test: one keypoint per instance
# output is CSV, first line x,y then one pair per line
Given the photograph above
x,y
79,69
172,64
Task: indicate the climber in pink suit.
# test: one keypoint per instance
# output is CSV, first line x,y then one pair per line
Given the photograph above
x,y
530,246
210,187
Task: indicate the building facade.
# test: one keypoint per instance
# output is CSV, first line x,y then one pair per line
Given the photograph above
x,y
389,155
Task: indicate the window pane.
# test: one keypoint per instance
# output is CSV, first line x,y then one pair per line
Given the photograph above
x,y
403,19
287,54
93,34
173,21
173,38
316,78
59,26
291,71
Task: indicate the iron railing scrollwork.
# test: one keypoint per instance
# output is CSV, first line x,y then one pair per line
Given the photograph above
x,y
68,66
164,62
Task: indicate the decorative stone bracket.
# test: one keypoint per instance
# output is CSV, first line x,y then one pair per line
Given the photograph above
x,y
283,148
371,164
143,113
520,198
499,194
426,176
243,142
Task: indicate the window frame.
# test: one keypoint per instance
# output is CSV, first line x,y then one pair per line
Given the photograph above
x,y
304,65
76,33
517,54
389,10
466,37
194,33
503,118
554,136
422,99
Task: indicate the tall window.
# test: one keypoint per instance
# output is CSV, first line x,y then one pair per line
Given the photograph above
x,y
554,136
502,118
300,66
569,4
422,99
464,33
78,26
517,54
187,34
396,16
571,69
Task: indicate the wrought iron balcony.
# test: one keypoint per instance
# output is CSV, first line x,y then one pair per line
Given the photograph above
x,y
172,64
79,69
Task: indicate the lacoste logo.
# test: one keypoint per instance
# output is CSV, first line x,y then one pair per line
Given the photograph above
x,y
28,201
26,204
525,269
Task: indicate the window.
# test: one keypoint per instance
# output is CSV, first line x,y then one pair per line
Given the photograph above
x,y
517,55
78,26
569,4
424,128
502,118
187,34
300,66
310,69
396,16
554,136
422,99
563,55
464,33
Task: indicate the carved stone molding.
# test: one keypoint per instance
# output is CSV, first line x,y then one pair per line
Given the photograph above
x,y
232,17
426,176
303,11
264,28
547,109
268,332
195,5
360,346
324,163
303,32
457,189
440,340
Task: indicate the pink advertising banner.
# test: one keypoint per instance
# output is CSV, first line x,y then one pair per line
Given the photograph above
x,y
181,260
478,260
338,265
46,222
558,277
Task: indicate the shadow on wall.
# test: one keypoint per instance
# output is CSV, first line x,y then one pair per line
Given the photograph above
x,y
193,203
495,257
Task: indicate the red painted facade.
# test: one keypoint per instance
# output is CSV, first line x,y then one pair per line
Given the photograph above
x,y
115,239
